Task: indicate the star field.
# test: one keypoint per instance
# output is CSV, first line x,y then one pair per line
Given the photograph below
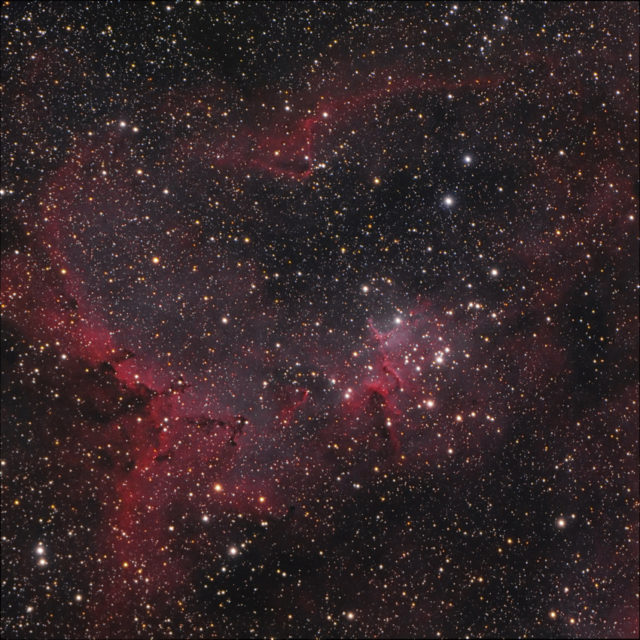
x,y
319,319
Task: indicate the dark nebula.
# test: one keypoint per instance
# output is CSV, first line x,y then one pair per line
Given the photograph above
x,y
319,319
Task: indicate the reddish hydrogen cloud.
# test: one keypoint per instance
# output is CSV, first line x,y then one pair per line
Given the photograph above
x,y
178,451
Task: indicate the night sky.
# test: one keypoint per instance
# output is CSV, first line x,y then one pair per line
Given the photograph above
x,y
319,319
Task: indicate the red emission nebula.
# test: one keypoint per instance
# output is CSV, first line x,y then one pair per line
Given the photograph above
x,y
339,350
